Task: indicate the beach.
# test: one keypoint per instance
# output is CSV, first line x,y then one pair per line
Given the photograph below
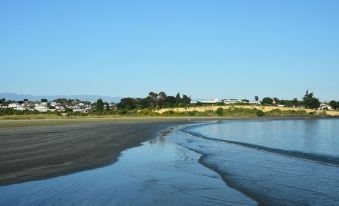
x,y
258,161
51,149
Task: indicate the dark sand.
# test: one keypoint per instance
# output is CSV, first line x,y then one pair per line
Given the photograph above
x,y
32,153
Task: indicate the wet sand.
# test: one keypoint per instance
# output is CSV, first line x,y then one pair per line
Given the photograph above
x,y
38,152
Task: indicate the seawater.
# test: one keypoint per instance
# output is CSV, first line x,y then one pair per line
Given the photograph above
x,y
275,162
158,172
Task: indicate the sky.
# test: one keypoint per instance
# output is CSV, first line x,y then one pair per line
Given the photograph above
x,y
206,49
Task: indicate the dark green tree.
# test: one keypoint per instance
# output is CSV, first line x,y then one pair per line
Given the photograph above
x,y
153,99
153,95
276,100
219,111
162,96
310,102
170,101
99,106
128,104
178,99
106,106
260,113
186,100
334,104
267,101
143,103
162,99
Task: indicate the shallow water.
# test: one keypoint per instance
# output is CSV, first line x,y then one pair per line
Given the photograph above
x,y
320,136
157,173
245,162
276,162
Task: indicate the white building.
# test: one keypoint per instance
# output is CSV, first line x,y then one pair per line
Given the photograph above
x,y
80,110
13,105
231,101
255,102
60,108
20,107
53,104
325,107
3,107
211,101
40,108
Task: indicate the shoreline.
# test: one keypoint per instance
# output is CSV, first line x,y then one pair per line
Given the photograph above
x,y
13,123
49,149
41,152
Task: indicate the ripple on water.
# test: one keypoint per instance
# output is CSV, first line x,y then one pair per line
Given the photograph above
x,y
269,178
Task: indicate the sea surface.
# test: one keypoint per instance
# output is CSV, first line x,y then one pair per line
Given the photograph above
x,y
233,162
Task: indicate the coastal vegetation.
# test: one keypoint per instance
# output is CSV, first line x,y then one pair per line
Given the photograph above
x,y
154,101
163,105
334,104
234,112
310,102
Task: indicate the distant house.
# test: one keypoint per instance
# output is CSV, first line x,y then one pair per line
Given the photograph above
x,y
40,108
325,107
59,108
255,102
21,107
231,101
13,105
211,101
53,104
3,107
80,110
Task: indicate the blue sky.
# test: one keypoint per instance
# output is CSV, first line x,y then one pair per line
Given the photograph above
x,y
201,48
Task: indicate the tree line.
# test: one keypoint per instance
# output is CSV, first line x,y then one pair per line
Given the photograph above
x,y
154,101
160,100
309,101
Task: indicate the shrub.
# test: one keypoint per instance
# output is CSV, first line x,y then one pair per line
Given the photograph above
x,y
219,111
274,113
168,113
147,112
193,113
260,113
244,112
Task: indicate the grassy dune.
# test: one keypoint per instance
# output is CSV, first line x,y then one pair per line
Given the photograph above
x,y
248,107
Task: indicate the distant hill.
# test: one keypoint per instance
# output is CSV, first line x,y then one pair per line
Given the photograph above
x,y
19,97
